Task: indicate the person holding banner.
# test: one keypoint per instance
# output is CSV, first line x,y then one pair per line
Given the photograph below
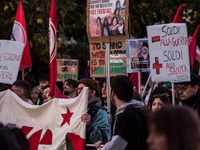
x,y
96,118
22,89
190,93
174,128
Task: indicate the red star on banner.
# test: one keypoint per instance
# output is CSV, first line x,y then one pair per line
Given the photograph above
x,y
66,117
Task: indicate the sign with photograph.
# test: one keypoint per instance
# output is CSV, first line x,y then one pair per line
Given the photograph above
x,y
67,69
169,59
137,55
98,59
107,20
10,59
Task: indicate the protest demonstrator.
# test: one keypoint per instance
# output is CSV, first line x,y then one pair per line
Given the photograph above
x,y
130,131
190,93
69,88
96,118
174,128
23,89
53,125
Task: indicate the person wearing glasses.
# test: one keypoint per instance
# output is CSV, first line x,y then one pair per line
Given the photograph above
x,y
69,88
96,118
22,89
190,93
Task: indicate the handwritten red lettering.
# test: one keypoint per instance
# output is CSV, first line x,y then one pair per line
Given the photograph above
x,y
6,75
174,70
93,12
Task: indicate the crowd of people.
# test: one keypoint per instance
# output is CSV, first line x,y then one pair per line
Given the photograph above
x,y
136,121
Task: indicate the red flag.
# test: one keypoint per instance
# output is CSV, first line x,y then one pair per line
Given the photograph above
x,y
134,78
177,18
54,90
19,34
192,46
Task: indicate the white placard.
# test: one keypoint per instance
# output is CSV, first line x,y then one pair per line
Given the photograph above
x,y
169,54
10,59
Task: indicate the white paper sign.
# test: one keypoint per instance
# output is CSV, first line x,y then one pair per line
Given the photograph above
x,y
10,59
169,54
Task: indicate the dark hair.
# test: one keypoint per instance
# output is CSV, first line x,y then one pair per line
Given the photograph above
x,y
12,138
105,26
91,83
23,85
72,82
46,86
98,18
116,11
123,87
116,20
44,77
180,125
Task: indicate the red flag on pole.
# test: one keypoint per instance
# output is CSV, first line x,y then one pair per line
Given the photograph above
x,y
19,34
134,79
177,18
54,90
192,46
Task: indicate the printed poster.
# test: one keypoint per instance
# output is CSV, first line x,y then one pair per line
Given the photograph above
x,y
107,20
137,55
98,59
169,59
67,69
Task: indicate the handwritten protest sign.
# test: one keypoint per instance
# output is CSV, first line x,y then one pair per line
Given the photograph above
x,y
169,54
137,55
10,59
98,59
107,20
67,69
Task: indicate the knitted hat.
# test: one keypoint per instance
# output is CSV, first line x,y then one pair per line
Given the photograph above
x,y
91,83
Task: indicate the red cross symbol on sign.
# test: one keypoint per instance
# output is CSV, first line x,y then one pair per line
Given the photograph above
x,y
157,65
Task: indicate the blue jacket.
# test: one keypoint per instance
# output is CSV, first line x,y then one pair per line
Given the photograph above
x,y
100,127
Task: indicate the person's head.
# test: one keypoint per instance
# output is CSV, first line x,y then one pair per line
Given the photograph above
x,y
22,88
35,93
123,12
103,87
45,94
105,22
93,86
121,88
189,89
44,80
116,12
114,21
69,86
98,20
109,19
144,48
157,101
118,4
174,128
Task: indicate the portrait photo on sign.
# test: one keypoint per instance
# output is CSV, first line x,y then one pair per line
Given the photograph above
x,y
138,54
107,19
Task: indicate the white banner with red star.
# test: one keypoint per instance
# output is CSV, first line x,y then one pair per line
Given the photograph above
x,y
49,125
169,54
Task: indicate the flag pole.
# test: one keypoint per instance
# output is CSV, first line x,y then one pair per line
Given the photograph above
x,y
173,95
23,74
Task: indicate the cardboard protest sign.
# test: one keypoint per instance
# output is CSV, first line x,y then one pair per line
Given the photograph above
x,y
169,54
67,69
98,59
10,59
137,55
107,20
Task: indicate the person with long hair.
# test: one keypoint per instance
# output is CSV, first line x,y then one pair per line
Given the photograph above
x,y
114,26
174,128
98,28
105,28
